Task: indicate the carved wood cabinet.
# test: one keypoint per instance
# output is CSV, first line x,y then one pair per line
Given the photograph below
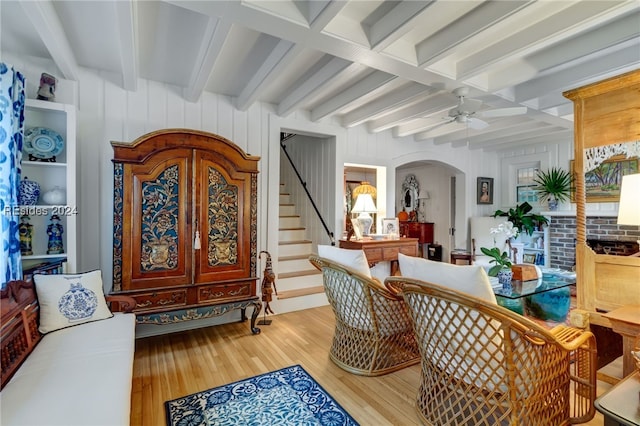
x,y
185,226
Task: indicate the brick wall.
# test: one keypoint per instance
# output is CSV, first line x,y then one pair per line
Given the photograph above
x,y
562,237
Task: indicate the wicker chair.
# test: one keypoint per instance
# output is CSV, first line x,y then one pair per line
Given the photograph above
x,y
373,334
485,365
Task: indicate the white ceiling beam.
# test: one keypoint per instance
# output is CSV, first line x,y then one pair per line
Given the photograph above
x,y
555,138
127,11
311,82
322,12
385,104
587,71
441,130
542,35
365,86
394,24
532,128
211,44
420,125
541,136
493,131
482,17
280,57
431,105
47,24
326,43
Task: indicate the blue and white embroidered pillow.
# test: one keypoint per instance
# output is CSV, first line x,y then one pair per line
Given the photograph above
x,y
70,299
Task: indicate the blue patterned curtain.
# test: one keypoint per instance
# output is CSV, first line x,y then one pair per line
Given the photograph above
x,y
12,85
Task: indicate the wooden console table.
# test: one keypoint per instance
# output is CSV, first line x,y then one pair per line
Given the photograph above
x,y
383,250
423,231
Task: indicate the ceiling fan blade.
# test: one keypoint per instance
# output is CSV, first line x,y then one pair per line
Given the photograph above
x,y
476,123
504,112
469,106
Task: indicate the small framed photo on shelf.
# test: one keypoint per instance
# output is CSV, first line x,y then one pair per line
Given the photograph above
x,y
529,258
391,226
485,190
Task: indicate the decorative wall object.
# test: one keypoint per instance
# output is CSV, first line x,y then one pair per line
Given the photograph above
x,y
603,182
485,190
410,190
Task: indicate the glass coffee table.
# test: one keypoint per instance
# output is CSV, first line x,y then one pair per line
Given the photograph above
x,y
547,298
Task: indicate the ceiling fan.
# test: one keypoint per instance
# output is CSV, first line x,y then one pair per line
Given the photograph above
x,y
467,111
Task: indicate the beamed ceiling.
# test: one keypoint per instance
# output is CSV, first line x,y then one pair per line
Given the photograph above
x,y
387,65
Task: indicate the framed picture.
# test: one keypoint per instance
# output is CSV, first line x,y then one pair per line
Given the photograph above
x,y
602,184
529,258
357,228
485,190
391,225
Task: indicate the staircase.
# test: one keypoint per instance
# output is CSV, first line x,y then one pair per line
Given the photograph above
x,y
299,284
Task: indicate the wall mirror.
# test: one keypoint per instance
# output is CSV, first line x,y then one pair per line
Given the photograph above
x,y
410,189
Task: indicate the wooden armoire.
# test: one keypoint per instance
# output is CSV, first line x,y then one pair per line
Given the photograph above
x,y
185,226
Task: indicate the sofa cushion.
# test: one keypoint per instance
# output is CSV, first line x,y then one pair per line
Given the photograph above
x,y
75,376
70,299
470,279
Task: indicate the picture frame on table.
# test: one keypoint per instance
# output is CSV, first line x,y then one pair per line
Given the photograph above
x,y
602,184
485,190
357,228
390,225
529,258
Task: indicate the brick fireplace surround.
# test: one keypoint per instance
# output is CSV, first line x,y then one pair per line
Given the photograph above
x,y
603,233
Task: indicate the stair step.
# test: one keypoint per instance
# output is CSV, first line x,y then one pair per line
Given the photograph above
x,y
287,243
299,273
294,257
289,222
295,264
300,292
287,209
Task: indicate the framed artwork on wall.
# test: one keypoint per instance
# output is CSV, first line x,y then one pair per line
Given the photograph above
x,y
602,184
485,190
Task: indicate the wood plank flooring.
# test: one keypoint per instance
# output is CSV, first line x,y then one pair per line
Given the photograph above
x,y
174,365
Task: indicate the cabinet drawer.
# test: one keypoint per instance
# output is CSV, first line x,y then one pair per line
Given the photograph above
x,y
409,250
160,299
375,254
210,293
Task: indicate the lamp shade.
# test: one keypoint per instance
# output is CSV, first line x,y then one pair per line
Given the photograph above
x,y
629,208
423,195
364,188
364,204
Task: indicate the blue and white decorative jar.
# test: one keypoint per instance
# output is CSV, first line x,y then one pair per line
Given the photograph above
x,y
78,303
505,276
28,192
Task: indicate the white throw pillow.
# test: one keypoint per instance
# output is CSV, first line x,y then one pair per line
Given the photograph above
x,y
70,299
352,259
470,279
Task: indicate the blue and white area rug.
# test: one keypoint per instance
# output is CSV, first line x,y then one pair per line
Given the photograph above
x,y
284,397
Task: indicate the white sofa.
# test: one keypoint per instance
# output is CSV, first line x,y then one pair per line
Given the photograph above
x,y
79,375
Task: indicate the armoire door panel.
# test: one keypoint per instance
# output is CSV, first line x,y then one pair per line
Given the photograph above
x,y
159,207
222,203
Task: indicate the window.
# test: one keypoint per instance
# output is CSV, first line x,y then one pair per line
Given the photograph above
x,y
525,185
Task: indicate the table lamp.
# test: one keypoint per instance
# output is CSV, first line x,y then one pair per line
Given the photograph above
x,y
423,195
629,207
364,205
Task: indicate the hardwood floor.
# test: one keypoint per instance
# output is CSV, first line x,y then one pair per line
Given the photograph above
x,y
174,365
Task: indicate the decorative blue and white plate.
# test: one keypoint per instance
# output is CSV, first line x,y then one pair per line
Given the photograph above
x,y
42,143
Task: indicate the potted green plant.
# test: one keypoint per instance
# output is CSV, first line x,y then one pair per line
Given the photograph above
x,y
554,185
502,267
522,219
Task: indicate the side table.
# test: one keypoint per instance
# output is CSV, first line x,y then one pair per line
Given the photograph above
x,y
620,405
626,322
461,258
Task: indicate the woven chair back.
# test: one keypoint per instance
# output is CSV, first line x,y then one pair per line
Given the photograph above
x,y
485,365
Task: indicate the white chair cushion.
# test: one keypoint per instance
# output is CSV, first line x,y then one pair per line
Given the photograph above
x,y
70,299
352,259
470,279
